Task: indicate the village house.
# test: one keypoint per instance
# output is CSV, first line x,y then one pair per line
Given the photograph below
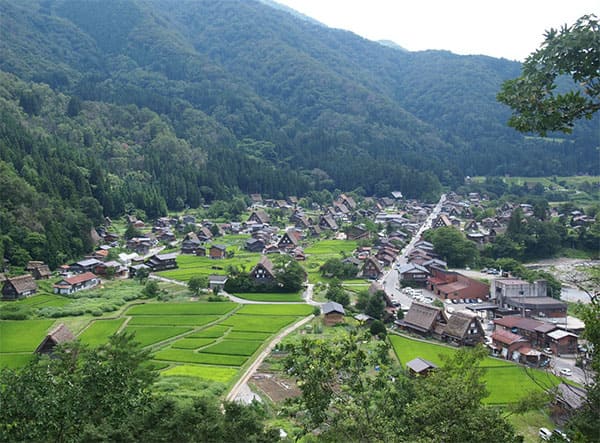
x,y
333,313
259,216
327,222
162,262
263,271
371,269
288,241
450,285
507,344
204,234
441,221
76,283
217,252
463,329
254,245
190,243
59,335
425,320
41,272
411,273
87,265
16,288
562,343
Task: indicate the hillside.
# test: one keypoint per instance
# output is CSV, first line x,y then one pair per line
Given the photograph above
x,y
161,105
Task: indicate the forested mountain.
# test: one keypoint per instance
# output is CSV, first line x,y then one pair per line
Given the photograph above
x,y
152,105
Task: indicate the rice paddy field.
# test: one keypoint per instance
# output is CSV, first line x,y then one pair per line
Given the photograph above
x,y
99,331
506,382
270,297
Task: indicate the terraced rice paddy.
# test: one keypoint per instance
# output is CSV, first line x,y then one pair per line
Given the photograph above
x,y
99,331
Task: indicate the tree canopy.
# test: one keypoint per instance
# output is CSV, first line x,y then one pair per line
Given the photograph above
x,y
538,103
354,394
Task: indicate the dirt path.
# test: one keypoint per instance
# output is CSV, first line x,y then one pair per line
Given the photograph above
x,y
240,390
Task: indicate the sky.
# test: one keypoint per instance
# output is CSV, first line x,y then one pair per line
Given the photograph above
x,y
510,29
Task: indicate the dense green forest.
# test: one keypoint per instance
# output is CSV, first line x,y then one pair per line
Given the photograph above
x,y
154,105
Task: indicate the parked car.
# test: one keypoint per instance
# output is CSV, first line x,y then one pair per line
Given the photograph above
x,y
547,351
565,371
545,434
562,436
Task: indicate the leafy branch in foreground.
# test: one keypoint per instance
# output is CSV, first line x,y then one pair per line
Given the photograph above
x,y
573,51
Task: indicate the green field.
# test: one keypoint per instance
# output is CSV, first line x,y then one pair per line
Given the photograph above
x,y
271,297
215,331
14,361
187,356
149,335
321,251
98,331
41,300
258,323
191,265
192,308
192,343
506,382
214,373
295,310
22,335
242,335
173,320
233,347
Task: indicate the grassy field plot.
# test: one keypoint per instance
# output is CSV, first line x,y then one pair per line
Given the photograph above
x,y
98,332
214,373
22,335
37,301
215,331
187,356
258,323
172,320
331,248
192,308
14,361
506,382
241,335
148,335
271,297
510,384
191,265
192,343
294,310
233,347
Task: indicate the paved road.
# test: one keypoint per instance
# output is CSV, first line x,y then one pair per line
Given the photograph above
x,y
390,279
241,385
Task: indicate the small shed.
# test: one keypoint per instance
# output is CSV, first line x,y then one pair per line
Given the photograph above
x,y
333,313
217,281
60,334
420,366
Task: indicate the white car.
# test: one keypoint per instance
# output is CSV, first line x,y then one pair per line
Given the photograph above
x,y
545,434
566,372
